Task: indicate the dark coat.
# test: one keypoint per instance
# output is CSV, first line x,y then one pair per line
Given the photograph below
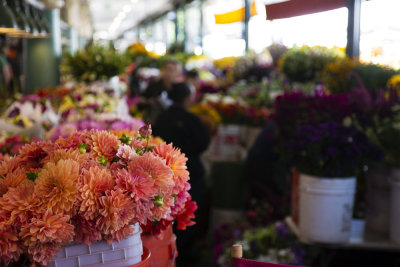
x,y
186,131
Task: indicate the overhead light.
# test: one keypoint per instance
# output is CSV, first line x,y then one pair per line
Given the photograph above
x,y
134,1
8,23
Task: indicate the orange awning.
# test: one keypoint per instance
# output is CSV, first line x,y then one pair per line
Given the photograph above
x,y
235,16
293,8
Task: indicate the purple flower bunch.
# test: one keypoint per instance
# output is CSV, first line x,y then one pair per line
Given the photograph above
x,y
318,136
331,149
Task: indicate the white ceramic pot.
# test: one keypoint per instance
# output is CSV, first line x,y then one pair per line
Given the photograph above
x,y
394,222
126,253
326,208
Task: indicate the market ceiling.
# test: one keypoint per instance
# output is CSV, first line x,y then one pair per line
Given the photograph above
x,y
112,17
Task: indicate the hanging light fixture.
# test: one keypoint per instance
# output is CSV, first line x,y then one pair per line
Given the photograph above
x,y
34,31
22,21
8,24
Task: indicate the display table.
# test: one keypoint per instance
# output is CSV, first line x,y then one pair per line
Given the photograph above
x,y
359,241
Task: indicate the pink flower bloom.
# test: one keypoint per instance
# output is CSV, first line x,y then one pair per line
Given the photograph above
x,y
137,183
176,161
155,168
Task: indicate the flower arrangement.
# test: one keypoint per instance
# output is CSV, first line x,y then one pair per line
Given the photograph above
x,y
305,64
236,111
337,73
209,116
90,186
94,63
88,98
30,111
317,135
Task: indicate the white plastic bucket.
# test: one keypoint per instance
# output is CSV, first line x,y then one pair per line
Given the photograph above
x,y
394,229
326,208
125,253
226,144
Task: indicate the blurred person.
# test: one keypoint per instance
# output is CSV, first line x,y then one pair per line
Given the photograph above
x,y
155,97
186,131
5,69
193,79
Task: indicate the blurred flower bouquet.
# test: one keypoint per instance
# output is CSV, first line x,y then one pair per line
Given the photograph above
x,y
209,116
94,63
31,116
88,187
89,98
305,64
318,136
10,145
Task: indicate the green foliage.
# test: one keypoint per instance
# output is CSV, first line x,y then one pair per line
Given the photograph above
x,y
94,63
372,76
385,133
305,64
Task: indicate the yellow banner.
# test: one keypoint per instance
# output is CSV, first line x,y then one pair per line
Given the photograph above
x,y
235,16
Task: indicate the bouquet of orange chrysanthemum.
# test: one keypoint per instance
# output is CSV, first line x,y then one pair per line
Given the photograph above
x,y
90,186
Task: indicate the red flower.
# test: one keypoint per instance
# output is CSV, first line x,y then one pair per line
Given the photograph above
x,y
184,218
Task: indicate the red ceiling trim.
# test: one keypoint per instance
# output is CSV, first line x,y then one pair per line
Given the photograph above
x,y
295,8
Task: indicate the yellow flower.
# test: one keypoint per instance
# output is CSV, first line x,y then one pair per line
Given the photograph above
x,y
394,81
66,104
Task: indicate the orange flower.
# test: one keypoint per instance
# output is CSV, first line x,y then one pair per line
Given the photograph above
x,y
57,186
116,209
44,235
160,212
176,161
94,183
9,165
86,231
44,252
137,183
62,154
73,140
12,179
104,144
47,228
9,247
119,235
155,168
16,202
31,155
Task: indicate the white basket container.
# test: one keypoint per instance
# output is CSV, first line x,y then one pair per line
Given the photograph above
x,y
126,253
394,223
326,208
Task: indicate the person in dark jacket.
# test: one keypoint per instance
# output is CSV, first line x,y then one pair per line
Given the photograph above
x,y
186,131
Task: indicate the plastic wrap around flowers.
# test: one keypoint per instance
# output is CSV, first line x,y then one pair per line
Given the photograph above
x,y
90,186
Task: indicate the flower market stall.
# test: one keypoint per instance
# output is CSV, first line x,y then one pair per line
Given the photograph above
x,y
148,148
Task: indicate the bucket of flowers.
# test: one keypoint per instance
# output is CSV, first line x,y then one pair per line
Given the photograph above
x,y
82,200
